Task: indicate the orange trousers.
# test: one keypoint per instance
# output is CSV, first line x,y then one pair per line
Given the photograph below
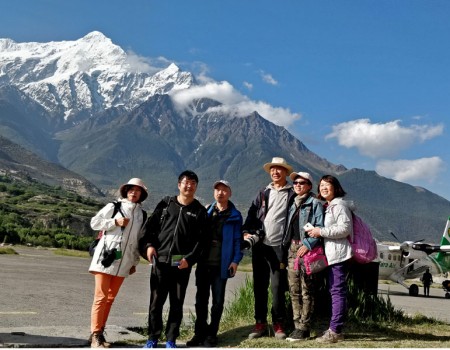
x,y
106,289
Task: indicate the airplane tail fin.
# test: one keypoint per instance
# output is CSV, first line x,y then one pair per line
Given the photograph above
x,y
442,257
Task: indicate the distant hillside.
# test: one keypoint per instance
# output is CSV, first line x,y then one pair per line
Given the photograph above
x,y
19,163
42,215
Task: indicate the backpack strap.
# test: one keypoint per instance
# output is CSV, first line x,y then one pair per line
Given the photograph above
x,y
117,209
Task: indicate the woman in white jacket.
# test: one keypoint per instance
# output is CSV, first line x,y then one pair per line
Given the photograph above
x,y
116,255
338,226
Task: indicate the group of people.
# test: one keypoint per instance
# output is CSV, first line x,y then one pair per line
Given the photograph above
x,y
181,232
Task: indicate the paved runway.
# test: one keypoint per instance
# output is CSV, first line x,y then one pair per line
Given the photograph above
x,y
41,289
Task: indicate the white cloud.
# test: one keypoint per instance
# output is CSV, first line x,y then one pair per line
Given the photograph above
x,y
412,171
232,102
381,140
140,64
266,77
248,85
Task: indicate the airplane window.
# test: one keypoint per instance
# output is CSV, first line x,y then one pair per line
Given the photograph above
x,y
389,256
381,256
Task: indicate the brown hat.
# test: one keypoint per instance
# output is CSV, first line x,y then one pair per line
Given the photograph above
x,y
134,182
277,161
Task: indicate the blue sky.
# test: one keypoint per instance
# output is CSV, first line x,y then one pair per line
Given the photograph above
x,y
361,83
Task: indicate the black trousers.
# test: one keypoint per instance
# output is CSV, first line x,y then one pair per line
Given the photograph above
x,y
267,270
208,280
167,280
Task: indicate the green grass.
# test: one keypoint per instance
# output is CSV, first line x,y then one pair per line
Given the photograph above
x,y
372,322
7,250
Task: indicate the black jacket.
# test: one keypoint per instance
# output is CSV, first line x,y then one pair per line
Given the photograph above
x,y
175,229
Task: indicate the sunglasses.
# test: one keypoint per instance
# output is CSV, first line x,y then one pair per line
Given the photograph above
x,y
300,183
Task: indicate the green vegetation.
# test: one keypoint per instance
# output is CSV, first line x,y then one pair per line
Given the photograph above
x,y
41,215
7,250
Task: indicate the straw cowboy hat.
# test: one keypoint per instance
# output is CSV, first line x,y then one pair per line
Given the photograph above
x,y
134,182
277,161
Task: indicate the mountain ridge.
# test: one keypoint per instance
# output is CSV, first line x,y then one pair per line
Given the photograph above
x,y
141,131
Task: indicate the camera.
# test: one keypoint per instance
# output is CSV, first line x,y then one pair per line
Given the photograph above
x,y
255,237
108,257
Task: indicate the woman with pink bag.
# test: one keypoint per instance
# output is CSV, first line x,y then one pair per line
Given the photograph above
x,y
304,209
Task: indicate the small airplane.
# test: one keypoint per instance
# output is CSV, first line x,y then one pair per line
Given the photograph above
x,y
411,259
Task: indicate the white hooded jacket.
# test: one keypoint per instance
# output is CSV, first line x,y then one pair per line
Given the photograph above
x,y
125,241
338,226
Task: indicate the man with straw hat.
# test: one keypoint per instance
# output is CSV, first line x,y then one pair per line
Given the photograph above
x,y
268,212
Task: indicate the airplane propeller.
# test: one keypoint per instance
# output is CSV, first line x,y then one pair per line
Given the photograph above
x,y
392,233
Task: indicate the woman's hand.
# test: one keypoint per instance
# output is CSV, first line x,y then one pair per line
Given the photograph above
x,y
122,222
314,232
302,251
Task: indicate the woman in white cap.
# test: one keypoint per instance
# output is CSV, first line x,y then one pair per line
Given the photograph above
x,y
116,255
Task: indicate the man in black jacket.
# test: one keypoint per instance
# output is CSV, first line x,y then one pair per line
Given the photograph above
x,y
173,243
268,211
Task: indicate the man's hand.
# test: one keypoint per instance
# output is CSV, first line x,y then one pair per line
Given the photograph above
x,y
183,264
232,268
151,252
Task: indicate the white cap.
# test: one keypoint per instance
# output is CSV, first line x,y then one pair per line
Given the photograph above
x,y
303,175
223,182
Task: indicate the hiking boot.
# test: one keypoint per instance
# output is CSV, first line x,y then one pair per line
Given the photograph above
x,y
258,331
298,335
170,344
279,332
211,341
96,341
330,337
151,344
195,341
102,338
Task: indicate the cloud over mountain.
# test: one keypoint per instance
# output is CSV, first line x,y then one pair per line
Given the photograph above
x,y
378,140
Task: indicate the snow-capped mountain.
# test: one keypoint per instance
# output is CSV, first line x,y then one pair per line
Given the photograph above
x,y
77,78
104,114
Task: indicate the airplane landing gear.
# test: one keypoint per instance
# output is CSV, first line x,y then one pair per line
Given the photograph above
x,y
414,290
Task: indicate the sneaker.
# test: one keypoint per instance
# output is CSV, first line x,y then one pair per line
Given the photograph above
x,y
330,337
195,341
170,344
279,332
211,341
258,331
298,335
96,341
151,344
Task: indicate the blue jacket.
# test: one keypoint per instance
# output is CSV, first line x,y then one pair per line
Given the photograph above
x,y
310,211
232,237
